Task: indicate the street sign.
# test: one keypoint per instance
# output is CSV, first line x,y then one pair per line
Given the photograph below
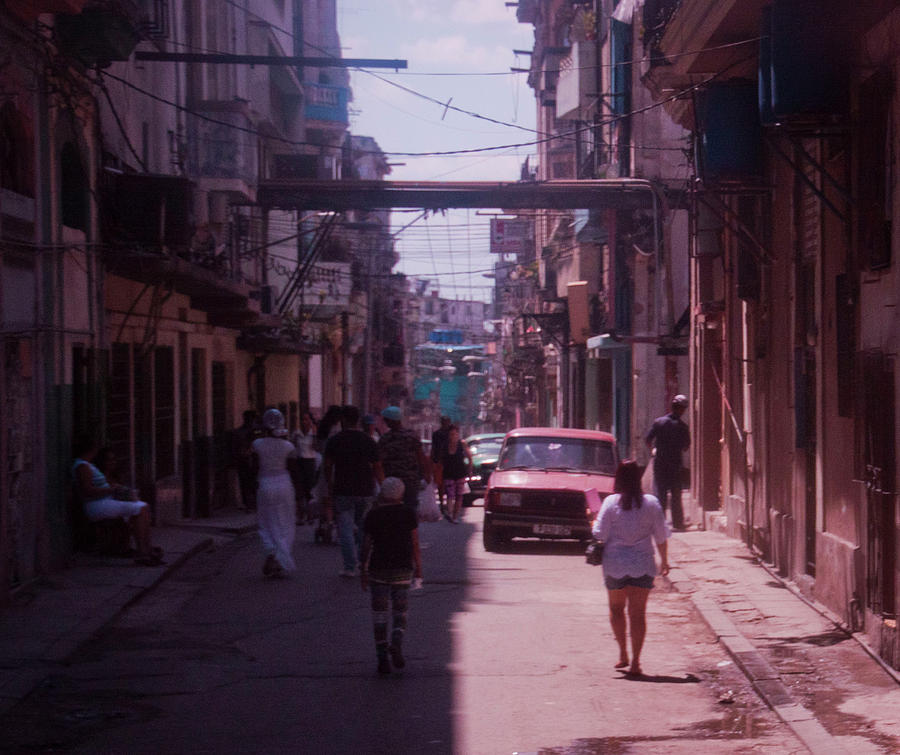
x,y
512,236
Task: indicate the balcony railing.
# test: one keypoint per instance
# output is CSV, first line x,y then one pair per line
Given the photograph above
x,y
326,103
222,144
657,14
150,236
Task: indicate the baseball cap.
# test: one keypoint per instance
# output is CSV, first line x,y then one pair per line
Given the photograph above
x,y
680,400
393,413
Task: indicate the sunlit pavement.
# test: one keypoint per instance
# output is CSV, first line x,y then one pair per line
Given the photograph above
x,y
507,652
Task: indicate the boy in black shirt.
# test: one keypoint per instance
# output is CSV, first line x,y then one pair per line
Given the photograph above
x,y
390,560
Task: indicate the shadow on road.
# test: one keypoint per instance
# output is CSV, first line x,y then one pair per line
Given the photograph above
x,y
661,678
545,548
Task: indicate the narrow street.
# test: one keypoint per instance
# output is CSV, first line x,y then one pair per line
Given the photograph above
x,y
507,652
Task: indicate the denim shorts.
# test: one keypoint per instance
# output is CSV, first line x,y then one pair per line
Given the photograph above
x,y
613,583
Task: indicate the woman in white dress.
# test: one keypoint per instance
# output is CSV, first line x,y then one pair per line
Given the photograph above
x,y
275,506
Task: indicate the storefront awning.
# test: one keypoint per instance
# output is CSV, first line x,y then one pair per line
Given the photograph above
x,y
604,342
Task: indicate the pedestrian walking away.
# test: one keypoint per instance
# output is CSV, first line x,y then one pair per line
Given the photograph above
x,y
304,439
668,439
369,428
456,463
351,468
438,446
241,457
391,559
276,501
329,425
100,500
401,455
628,524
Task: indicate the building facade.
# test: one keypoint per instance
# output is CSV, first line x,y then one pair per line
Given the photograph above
x,y
793,331
146,296
609,319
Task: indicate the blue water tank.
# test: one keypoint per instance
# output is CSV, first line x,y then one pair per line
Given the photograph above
x,y
806,62
730,133
764,70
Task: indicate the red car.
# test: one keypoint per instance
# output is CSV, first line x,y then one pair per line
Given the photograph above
x,y
549,483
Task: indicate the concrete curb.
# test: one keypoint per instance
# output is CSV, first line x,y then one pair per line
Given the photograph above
x,y
764,679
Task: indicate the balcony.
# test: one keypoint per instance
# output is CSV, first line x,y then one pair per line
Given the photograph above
x,y
150,237
326,103
576,88
101,33
706,28
222,148
29,10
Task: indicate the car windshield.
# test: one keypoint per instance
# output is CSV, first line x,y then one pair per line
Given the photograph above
x,y
487,446
576,454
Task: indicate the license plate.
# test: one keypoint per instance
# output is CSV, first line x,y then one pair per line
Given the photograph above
x,y
552,529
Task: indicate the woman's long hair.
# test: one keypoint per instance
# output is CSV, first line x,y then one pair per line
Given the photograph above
x,y
450,440
628,484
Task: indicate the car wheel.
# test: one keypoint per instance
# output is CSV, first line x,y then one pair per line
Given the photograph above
x,y
491,538
468,498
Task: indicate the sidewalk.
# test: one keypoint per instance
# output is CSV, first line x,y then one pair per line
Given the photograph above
x,y
818,678
48,620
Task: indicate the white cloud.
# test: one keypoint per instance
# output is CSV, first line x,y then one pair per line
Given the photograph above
x,y
469,12
481,12
456,52
474,167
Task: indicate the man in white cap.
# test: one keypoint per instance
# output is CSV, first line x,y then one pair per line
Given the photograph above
x,y
401,455
671,437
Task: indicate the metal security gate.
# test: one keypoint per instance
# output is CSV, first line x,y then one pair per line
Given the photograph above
x,y
880,470
21,513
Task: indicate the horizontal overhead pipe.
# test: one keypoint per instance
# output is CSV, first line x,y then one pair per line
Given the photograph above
x,y
267,60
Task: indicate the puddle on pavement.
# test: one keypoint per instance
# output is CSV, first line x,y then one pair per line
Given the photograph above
x,y
826,706
733,725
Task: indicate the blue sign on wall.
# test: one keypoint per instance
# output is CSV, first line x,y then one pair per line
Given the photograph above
x,y
326,103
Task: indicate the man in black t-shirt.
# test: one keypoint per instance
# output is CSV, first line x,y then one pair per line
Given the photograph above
x,y
670,438
351,468
390,559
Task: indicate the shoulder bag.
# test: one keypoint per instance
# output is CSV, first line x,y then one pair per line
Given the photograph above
x,y
594,553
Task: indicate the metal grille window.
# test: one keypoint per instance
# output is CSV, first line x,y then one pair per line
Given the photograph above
x,y
164,410
118,412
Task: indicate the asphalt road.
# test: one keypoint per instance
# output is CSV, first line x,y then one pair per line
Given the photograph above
x,y
507,652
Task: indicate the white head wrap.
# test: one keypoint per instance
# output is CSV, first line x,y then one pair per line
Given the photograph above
x,y
273,421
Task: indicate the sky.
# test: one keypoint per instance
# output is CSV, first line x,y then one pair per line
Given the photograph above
x,y
469,38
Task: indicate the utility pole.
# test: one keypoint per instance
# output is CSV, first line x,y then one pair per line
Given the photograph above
x,y
367,354
345,357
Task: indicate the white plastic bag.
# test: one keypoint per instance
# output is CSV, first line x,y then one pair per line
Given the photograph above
x,y
428,509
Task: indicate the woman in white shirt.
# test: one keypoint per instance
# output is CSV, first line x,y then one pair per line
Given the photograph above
x,y
275,503
628,524
304,439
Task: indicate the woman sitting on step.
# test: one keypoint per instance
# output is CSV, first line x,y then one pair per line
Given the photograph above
x,y
102,500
